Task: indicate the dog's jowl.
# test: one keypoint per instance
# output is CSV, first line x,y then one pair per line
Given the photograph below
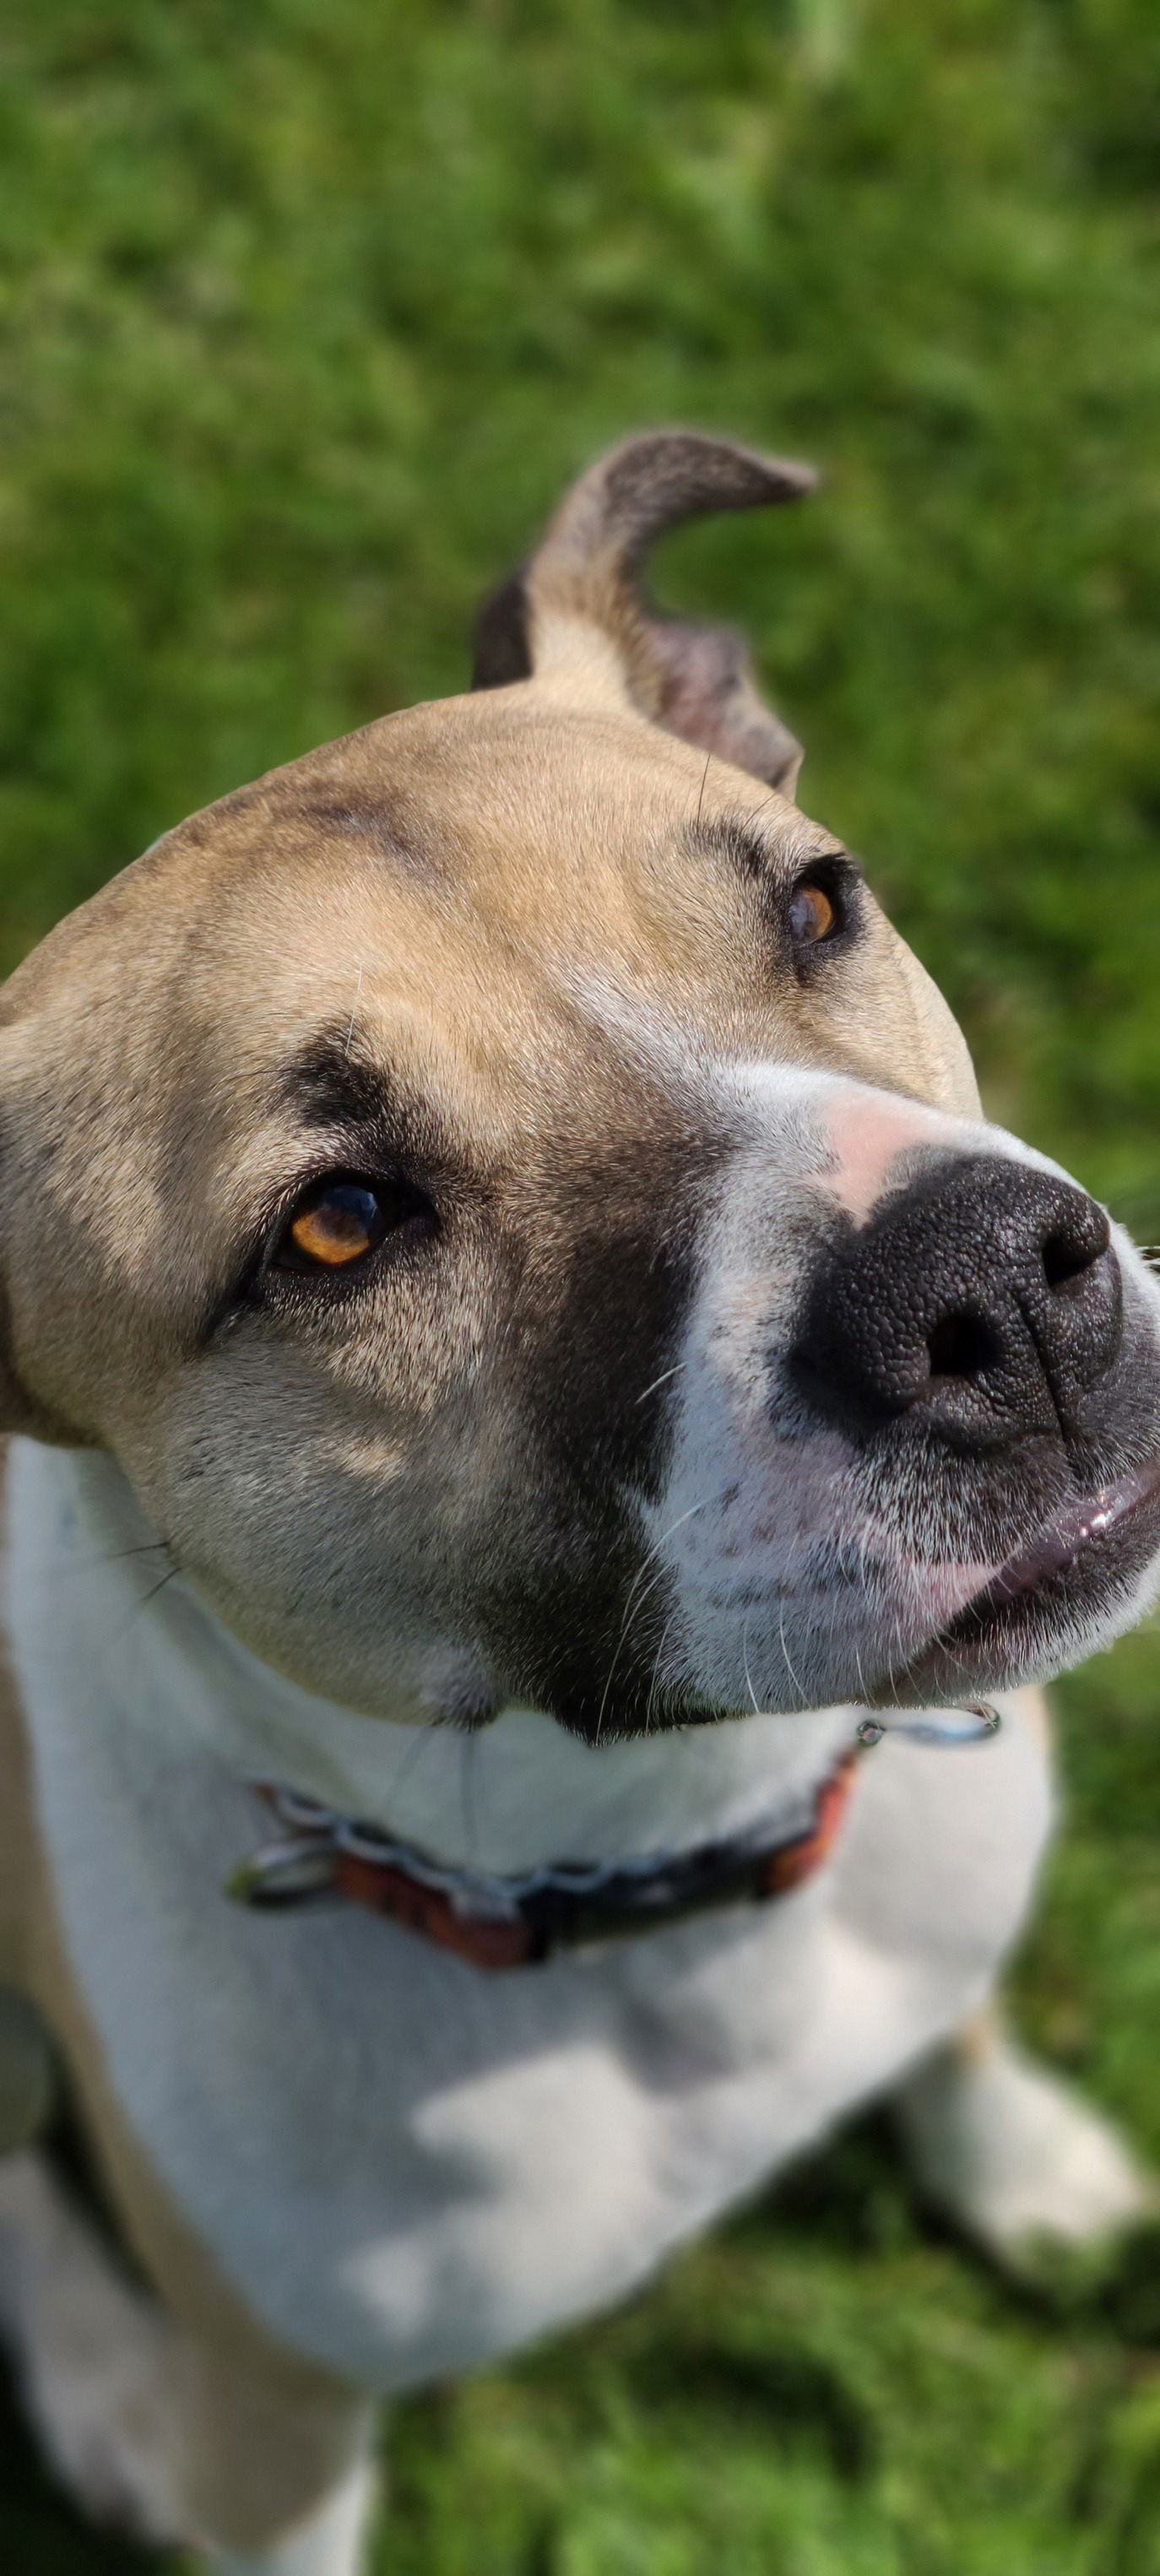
x,y
517,1336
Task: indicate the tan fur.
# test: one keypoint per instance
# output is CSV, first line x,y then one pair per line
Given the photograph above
x,y
566,832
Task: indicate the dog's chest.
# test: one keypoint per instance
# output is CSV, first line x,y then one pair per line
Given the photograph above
x,y
405,2165
402,2163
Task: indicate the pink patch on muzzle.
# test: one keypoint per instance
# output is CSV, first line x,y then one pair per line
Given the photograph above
x,y
867,1132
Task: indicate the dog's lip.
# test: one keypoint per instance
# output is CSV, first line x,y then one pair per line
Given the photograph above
x,y
1064,1537
1080,1527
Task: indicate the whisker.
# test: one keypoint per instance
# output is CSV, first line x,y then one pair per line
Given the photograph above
x,y
468,1744
113,1556
785,1652
861,1677
353,1010
636,1598
146,1597
701,797
662,1379
759,810
656,1674
745,1662
409,1758
635,1604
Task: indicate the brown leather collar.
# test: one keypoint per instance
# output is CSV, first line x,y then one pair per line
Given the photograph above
x,y
516,1922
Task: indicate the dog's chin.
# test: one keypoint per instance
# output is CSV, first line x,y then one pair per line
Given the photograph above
x,y
1086,1575
1077,1583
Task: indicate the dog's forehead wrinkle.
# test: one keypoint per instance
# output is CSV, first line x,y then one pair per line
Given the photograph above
x,y
372,818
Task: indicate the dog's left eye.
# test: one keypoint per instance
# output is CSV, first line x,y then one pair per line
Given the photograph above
x,y
813,914
337,1223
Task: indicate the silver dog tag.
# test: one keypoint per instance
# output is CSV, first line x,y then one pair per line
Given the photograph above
x,y
970,1725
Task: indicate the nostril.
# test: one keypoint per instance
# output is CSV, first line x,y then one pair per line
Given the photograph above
x,y
1066,1255
962,1344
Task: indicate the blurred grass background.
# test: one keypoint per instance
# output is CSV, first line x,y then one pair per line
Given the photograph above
x,y
308,311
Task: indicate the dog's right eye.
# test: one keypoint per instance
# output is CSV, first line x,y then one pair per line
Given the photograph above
x,y
339,1221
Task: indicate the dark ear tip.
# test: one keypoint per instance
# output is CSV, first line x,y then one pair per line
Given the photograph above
x,y
653,481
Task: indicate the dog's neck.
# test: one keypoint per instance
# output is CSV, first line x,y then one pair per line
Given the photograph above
x,y
517,1794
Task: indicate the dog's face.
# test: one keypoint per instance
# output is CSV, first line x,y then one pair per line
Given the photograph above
x,y
523,1220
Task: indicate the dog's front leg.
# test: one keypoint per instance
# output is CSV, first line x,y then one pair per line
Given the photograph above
x,y
1004,2149
1015,2158
329,2543
944,1845
280,2478
166,2431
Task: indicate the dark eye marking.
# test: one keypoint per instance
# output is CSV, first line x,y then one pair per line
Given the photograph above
x,y
733,838
323,1238
335,1080
378,1173
819,908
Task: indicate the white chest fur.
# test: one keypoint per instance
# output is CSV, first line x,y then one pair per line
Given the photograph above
x,y
403,2163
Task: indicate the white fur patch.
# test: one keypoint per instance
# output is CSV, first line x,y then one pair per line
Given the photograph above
x,y
797,1578
403,2164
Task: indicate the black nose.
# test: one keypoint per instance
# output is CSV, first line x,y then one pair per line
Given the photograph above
x,y
984,1300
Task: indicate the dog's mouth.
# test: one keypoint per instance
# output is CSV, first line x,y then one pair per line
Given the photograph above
x,y
1092,1548
1049,1603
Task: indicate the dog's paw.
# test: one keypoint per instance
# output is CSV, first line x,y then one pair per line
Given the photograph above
x,y
1012,2157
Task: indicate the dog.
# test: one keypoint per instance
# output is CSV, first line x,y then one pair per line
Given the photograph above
x,y
519,1348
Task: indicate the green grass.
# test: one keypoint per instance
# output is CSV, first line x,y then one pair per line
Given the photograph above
x,y
308,309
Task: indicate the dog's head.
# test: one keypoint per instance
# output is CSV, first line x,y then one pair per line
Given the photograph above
x,y
524,1223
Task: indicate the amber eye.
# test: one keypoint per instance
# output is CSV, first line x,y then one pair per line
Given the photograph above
x,y
812,914
335,1224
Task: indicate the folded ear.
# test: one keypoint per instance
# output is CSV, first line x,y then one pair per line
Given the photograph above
x,y
576,608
